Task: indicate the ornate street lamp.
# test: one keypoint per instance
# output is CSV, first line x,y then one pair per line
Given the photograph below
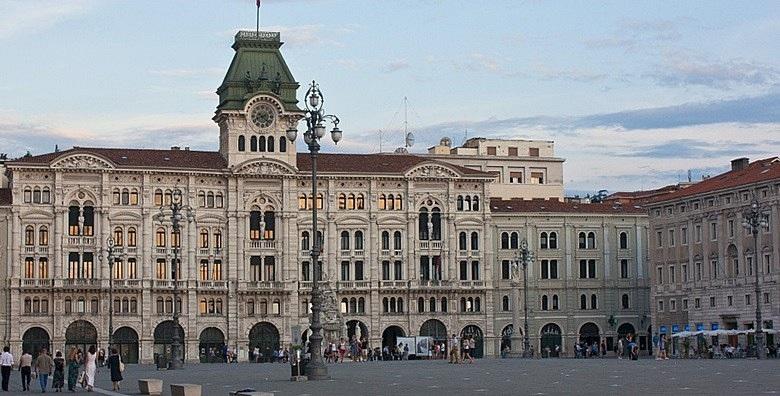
x,y
753,221
112,256
523,258
315,130
178,213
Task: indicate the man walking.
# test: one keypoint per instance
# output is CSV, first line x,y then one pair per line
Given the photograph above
x,y
6,364
25,363
44,365
454,349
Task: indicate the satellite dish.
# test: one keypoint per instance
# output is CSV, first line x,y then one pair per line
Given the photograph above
x,y
445,141
409,139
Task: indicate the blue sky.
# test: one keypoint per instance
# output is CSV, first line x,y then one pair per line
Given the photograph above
x,y
633,93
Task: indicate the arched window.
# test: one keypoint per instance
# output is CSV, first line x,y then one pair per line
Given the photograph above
x,y
261,144
624,240
202,199
241,143
344,240
553,240
544,303
160,237
436,221
385,305
555,302
218,308
358,240
477,305
475,203
385,240
204,238
467,203
118,236
210,199
271,146
505,303
460,202
342,201
351,201
68,305
360,202
282,145
390,202
46,198
422,224
624,301
593,301
27,195
43,236
382,202
219,200
361,307
29,235
158,197
125,197
591,240
305,241
132,239
432,304
250,307
475,241
303,202
253,143
400,304
504,240
27,305
543,240
514,241
583,301
444,304
160,306
397,240
581,240
420,304
204,270
352,305
462,241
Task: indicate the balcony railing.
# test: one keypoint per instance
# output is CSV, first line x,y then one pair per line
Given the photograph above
x,y
81,282
434,283
352,285
161,251
394,284
164,283
431,245
128,283
43,250
472,284
384,253
203,252
212,284
35,282
132,250
262,244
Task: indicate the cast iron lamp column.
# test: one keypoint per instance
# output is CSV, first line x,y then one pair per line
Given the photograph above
x,y
753,222
176,217
315,129
111,256
523,257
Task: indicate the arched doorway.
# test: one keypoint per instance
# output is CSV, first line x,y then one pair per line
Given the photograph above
x,y
265,337
589,333
126,343
473,331
358,329
551,338
35,339
625,329
212,343
434,328
80,334
390,336
506,337
163,338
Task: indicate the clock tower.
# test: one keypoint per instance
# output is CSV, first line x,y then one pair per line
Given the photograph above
x,y
257,102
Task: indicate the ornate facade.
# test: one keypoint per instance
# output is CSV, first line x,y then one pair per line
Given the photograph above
x,y
413,244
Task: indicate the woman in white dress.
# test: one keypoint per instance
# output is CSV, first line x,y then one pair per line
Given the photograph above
x,y
90,367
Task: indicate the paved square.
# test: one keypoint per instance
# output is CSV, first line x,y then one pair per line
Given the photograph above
x,y
488,376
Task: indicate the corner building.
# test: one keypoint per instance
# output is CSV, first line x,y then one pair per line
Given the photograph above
x,y
411,244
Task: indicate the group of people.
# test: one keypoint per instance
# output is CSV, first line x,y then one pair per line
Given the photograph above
x,y
81,369
356,350
583,350
275,356
461,349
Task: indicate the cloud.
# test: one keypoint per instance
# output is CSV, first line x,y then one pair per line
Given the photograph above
x,y
572,74
692,148
680,70
17,17
396,65
632,35
478,62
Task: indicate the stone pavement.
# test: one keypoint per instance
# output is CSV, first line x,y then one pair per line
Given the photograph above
x,y
488,376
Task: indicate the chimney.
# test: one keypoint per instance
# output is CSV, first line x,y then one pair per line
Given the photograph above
x,y
175,148
739,163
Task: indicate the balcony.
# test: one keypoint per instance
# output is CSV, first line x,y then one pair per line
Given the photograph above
x,y
384,253
131,250
35,282
393,284
262,244
80,240
168,284
161,251
358,253
204,252
472,284
353,285
263,285
127,283
434,283
213,285
431,245
81,282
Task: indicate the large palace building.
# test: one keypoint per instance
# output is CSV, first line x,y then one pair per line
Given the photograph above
x,y
412,244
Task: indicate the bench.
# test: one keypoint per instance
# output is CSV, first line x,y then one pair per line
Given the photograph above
x,y
150,386
185,390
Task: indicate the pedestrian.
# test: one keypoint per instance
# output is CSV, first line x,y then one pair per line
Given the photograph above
x,y
115,366
6,365
472,346
465,352
73,368
454,343
620,348
89,368
256,354
101,358
25,368
59,372
603,348
44,366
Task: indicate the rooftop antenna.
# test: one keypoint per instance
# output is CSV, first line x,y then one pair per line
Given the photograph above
x,y
689,176
381,136
257,28
465,136
408,136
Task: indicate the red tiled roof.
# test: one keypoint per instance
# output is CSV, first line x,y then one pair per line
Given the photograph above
x,y
518,205
5,196
375,163
212,160
756,172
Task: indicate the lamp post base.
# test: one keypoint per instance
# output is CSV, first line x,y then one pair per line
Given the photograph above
x,y
317,371
517,349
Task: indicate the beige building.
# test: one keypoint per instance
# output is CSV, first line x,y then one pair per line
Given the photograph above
x,y
413,246
523,168
702,259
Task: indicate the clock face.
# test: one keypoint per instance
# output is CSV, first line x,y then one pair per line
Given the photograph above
x,y
262,116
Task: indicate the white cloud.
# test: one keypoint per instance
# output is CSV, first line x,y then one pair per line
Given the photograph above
x,y
681,70
17,17
395,65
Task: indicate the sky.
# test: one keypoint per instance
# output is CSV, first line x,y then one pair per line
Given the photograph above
x,y
634,94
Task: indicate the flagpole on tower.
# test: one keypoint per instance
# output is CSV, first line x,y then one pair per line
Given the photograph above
x,y
257,29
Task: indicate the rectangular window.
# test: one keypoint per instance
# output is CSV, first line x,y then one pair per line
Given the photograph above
x,y
537,177
491,150
345,270
660,305
767,264
672,305
515,177
672,278
697,233
624,269
553,269
697,303
505,269
731,228
359,270
533,151
545,272
397,271
512,151
714,269
698,274
671,238
591,269
685,273
747,299
729,301
684,236
660,278
161,270
685,304
659,238
712,302
713,231
385,270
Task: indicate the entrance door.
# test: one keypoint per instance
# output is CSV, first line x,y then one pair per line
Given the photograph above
x,y
265,337
163,338
390,336
82,335
35,339
473,331
126,343
212,343
551,338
